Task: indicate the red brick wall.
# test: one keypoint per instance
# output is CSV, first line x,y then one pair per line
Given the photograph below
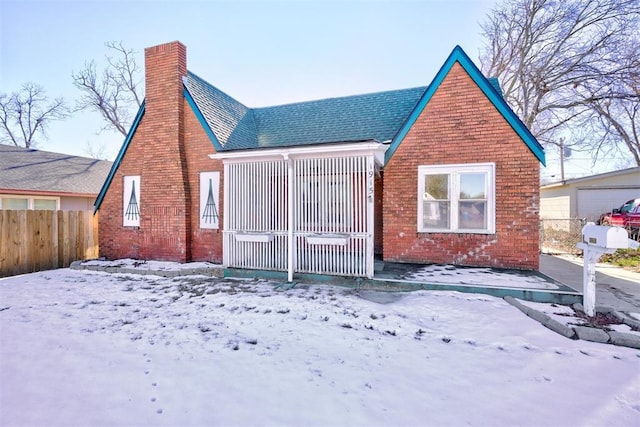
x,y
169,150
460,125
156,153
205,244
377,215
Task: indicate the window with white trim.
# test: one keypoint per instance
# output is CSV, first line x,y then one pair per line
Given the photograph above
x,y
18,202
457,198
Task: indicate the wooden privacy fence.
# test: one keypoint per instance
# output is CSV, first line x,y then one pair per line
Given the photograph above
x,y
36,240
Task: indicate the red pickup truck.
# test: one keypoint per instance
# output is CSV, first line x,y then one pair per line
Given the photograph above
x,y
627,216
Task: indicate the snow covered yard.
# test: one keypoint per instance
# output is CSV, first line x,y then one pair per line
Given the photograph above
x,y
92,348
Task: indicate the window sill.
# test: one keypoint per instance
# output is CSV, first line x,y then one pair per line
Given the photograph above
x,y
444,231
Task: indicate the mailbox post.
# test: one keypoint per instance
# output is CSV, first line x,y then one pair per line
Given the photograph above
x,y
596,241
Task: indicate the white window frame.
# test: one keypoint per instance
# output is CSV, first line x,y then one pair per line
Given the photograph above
x,y
454,171
129,220
30,200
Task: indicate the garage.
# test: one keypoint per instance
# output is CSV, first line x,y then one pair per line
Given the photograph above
x,y
594,201
589,196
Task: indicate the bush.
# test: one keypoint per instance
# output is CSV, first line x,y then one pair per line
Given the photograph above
x,y
627,258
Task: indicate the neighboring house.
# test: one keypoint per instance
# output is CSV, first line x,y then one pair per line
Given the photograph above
x,y
590,196
439,174
34,179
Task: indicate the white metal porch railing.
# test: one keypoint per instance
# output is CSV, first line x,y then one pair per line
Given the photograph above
x,y
256,223
330,230
331,227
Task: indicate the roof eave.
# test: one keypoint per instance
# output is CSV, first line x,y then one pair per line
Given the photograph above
x,y
201,119
119,157
52,193
301,151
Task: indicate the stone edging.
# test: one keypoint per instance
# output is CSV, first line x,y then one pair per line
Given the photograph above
x,y
584,332
203,271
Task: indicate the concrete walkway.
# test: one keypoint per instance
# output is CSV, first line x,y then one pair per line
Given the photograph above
x,y
616,288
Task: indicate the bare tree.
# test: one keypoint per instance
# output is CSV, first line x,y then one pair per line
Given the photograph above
x,y
562,66
94,151
25,114
114,92
615,121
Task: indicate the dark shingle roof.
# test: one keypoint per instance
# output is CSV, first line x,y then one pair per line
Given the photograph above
x,y
35,170
231,122
375,116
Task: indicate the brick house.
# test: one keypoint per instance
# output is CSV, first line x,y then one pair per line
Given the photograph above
x,y
439,174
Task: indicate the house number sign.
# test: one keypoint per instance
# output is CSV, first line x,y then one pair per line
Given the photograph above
x,y
370,173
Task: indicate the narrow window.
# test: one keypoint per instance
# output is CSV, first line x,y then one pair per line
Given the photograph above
x,y
45,204
14,203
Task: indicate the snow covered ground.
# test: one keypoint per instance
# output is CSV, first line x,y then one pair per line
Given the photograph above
x,y
92,348
487,277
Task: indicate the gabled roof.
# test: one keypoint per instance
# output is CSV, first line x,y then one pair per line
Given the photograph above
x,y
382,116
229,123
232,126
487,87
26,169
121,153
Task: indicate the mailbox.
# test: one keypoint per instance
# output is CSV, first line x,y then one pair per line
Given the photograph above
x,y
596,241
605,237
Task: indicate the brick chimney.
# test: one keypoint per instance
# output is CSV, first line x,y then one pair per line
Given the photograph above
x,y
164,188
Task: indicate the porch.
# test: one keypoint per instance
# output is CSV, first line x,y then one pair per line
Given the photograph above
x,y
302,209
398,277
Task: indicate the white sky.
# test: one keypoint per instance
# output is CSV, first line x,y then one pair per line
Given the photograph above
x,y
261,52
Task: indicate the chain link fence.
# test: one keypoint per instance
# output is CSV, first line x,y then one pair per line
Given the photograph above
x,y
560,235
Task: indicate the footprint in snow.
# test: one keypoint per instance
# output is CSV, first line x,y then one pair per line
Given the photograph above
x,y
530,347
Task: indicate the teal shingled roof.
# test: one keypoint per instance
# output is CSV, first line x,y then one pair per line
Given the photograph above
x,y
231,122
376,116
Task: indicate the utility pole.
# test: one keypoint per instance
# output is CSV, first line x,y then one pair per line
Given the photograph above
x,y
562,159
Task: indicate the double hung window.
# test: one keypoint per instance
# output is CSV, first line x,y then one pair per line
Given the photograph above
x,y
457,198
